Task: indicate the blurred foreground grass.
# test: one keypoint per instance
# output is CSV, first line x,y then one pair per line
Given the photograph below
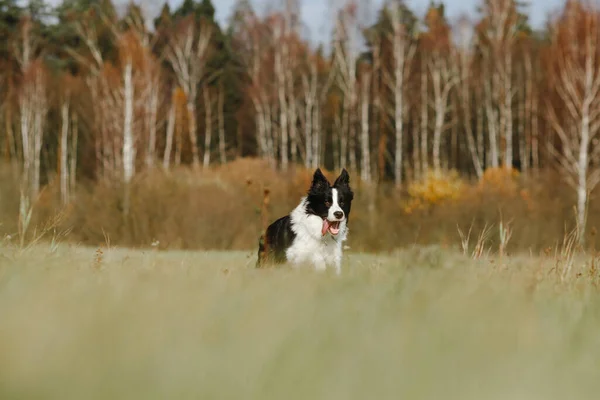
x,y
76,323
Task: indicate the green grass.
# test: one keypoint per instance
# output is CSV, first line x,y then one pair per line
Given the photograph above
x,y
424,323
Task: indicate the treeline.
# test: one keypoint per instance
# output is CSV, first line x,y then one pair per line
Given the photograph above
x,y
88,93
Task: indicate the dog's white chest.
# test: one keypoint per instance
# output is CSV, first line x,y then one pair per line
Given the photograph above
x,y
320,253
310,247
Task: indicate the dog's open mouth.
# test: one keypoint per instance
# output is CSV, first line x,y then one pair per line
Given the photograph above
x,y
332,226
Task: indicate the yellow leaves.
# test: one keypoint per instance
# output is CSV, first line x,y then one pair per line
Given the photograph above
x,y
436,188
441,187
501,180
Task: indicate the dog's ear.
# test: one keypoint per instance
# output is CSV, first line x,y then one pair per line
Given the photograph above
x,y
319,181
343,179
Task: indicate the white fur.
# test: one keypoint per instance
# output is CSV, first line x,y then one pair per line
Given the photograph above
x,y
310,246
335,206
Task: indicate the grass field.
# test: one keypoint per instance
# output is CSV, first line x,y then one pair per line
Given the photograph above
x,y
424,323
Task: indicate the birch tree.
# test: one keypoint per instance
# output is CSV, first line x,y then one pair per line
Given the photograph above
x,y
465,60
128,141
208,125
345,52
64,135
281,54
187,52
442,71
365,100
147,80
221,123
67,140
575,114
253,44
170,132
403,50
290,50
498,32
33,105
309,85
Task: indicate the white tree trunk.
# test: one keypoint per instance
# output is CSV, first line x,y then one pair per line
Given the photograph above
x,y
170,133
443,80
178,137
267,117
41,109
403,51
466,104
221,122
128,141
398,121
479,124
424,120
208,119
507,112
25,111
344,134
308,128
353,124
192,132
73,163
523,118
281,95
535,152
261,135
64,135
365,171
152,114
293,120
316,138
582,172
492,117
440,113
345,56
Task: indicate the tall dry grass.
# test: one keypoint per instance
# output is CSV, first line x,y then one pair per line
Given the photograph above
x,y
221,209
423,323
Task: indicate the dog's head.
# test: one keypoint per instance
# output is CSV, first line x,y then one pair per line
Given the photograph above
x,y
331,203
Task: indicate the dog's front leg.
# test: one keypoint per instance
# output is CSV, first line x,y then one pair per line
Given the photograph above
x,y
338,266
319,264
337,260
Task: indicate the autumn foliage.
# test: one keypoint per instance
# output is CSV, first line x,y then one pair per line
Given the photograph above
x,y
441,113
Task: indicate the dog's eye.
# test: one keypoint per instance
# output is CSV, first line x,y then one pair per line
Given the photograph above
x,y
341,204
328,204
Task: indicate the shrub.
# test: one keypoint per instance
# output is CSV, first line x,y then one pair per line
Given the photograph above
x,y
220,208
435,188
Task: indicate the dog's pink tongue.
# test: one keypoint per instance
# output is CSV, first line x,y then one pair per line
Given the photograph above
x,y
325,227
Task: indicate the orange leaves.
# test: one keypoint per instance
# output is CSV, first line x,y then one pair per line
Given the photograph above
x,y
35,71
179,98
498,28
579,24
133,48
438,36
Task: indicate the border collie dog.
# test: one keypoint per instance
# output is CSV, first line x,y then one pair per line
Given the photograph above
x,y
314,231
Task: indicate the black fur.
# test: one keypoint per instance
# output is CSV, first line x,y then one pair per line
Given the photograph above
x,y
275,241
279,235
345,194
320,194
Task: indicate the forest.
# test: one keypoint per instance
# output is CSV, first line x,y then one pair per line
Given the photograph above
x,y
417,108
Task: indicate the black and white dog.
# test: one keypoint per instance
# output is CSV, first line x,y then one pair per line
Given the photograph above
x,y
314,231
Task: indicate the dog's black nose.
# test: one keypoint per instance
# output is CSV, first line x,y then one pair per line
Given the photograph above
x,y
338,214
